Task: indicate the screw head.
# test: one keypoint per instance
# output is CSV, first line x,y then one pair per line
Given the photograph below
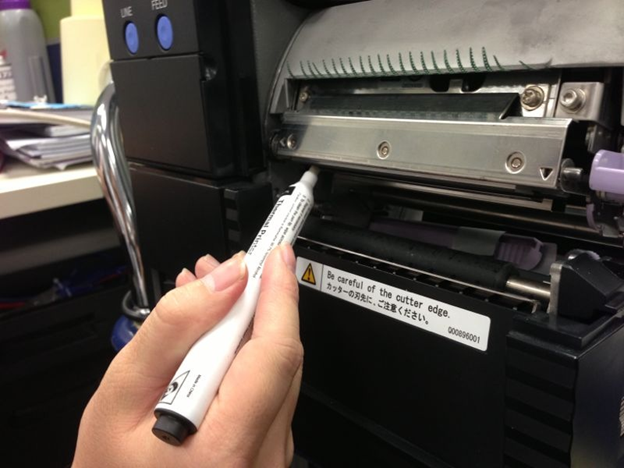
x,y
532,97
573,99
383,150
515,162
291,141
304,96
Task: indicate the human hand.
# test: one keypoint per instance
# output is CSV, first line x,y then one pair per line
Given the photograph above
x,y
248,422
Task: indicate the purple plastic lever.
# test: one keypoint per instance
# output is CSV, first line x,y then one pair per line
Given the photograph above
x,y
607,175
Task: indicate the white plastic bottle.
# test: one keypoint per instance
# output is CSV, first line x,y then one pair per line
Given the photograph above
x,y
84,53
22,44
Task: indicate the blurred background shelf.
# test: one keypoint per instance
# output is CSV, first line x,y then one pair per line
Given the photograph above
x,y
25,189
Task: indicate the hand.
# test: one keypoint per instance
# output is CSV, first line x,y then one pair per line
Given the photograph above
x,y
248,423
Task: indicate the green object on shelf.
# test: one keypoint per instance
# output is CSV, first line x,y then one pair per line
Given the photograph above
x,y
51,12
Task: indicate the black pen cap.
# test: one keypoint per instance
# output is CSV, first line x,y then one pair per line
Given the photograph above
x,y
172,428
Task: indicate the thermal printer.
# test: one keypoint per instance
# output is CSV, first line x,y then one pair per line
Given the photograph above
x,y
462,273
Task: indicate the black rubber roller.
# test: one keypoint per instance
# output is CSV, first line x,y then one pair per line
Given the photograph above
x,y
462,266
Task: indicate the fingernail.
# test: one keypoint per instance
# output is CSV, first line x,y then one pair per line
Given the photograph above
x,y
186,274
226,274
288,256
213,262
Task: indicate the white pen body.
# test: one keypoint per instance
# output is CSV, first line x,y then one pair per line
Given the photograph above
x,y
198,378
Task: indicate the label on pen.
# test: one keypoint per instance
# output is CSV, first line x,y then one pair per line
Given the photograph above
x,y
173,389
282,225
446,320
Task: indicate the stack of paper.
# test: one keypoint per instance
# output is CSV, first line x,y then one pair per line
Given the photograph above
x,y
43,145
45,152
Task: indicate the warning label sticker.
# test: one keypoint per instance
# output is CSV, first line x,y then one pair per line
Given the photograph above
x,y
308,275
443,319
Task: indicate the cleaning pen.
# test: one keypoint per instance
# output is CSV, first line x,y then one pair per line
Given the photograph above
x,y
184,404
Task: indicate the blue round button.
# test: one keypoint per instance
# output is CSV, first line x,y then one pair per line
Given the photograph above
x,y
164,31
131,34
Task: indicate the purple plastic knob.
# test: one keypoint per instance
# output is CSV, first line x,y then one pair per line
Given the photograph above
x,y
607,175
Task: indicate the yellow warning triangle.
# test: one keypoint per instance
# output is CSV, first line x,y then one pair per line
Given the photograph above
x,y
308,275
